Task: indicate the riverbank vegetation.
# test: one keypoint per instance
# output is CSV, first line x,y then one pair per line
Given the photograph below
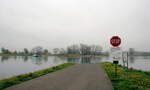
x,y
130,79
25,52
24,77
71,50
75,49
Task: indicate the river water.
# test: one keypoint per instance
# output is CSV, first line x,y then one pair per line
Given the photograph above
x,y
15,65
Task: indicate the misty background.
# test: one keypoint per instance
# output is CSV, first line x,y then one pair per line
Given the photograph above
x,y
59,23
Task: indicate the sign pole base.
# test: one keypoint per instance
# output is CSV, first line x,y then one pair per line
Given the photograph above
x,y
116,63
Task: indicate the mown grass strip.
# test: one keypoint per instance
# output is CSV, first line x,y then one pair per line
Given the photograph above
x,y
24,77
130,79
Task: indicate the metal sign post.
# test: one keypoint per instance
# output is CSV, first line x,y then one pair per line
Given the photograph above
x,y
115,52
125,59
115,62
125,62
116,56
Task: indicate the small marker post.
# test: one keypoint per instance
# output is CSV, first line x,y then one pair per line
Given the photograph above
x,y
115,62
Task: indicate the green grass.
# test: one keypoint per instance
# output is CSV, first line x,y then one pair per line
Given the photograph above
x,y
130,79
24,77
15,54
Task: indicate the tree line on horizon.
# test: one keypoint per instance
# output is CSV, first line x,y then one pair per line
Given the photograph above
x,y
25,51
74,49
78,49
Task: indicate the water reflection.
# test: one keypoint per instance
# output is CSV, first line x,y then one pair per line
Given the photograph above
x,y
84,60
147,57
39,60
58,59
25,58
14,65
73,59
131,59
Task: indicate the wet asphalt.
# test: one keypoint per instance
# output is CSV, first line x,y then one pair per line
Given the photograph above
x,y
77,77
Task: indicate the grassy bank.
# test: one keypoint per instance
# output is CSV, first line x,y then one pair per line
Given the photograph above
x,y
77,55
130,79
15,54
66,55
24,77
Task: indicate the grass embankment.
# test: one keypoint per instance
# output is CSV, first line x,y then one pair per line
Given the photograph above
x,y
130,79
24,77
15,54
77,55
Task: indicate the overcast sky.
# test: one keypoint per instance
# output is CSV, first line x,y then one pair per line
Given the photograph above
x,y
59,23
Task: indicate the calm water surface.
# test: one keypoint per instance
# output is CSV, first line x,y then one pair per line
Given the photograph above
x,y
15,65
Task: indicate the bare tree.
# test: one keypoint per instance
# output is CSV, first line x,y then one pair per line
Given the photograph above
x,y
98,49
73,49
45,52
56,50
26,51
62,51
85,49
37,50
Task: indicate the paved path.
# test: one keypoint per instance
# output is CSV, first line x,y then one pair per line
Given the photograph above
x,y
77,77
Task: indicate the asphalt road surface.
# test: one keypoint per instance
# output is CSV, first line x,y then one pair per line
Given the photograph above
x,y
77,77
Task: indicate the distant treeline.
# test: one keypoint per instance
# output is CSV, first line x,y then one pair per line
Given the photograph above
x,y
138,53
81,49
75,49
25,51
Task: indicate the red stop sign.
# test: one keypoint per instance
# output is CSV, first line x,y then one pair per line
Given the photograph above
x,y
115,41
